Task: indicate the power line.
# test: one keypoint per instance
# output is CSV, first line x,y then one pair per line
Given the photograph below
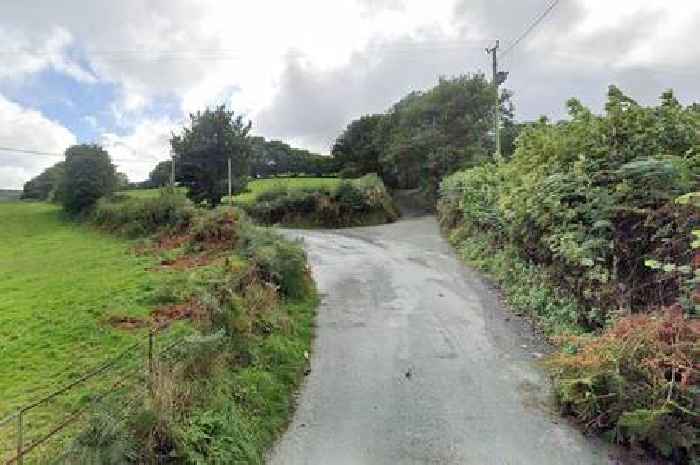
x,y
530,28
233,54
60,155
30,152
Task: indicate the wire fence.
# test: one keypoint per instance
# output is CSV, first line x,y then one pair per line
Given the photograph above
x,y
38,432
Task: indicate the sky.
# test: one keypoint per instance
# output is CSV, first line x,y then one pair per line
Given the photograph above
x,y
125,74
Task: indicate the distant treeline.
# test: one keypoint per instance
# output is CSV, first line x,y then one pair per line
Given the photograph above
x,y
266,159
427,135
9,194
45,186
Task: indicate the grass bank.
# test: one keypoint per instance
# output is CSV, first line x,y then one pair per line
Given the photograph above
x,y
237,299
227,393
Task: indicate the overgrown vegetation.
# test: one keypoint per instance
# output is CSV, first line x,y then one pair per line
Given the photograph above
x,y
136,216
579,227
43,186
228,391
363,201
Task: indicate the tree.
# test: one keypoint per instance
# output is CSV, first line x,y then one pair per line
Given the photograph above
x,y
160,176
122,181
426,135
43,186
203,150
88,175
356,149
275,158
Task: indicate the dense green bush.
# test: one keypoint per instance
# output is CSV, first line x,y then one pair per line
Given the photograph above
x,y
352,203
589,199
143,216
279,261
87,175
582,227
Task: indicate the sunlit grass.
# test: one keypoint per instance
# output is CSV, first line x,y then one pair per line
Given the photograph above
x,y
259,186
59,283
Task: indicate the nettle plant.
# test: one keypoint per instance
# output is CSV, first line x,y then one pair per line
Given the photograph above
x,y
687,275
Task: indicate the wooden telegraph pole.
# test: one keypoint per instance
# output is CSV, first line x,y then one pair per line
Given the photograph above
x,y
499,77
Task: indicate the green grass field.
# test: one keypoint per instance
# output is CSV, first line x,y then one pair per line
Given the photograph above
x,y
255,187
258,186
59,282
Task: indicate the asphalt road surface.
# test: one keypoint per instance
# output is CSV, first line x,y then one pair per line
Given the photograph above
x,y
416,362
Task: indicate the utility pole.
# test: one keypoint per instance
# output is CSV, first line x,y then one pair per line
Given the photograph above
x,y
497,106
172,168
229,179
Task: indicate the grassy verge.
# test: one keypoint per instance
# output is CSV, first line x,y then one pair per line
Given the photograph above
x,y
237,299
226,391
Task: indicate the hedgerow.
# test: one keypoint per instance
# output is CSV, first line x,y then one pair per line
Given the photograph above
x,y
589,206
136,217
358,202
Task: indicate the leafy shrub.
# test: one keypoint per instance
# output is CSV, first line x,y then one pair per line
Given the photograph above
x,y
471,194
589,199
277,260
143,216
639,380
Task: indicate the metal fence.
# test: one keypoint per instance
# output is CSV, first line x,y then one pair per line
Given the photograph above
x,y
132,368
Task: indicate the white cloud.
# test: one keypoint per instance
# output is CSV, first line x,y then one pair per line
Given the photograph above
x,y
30,53
350,56
29,130
137,153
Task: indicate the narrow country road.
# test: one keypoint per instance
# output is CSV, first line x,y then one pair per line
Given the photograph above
x,y
415,362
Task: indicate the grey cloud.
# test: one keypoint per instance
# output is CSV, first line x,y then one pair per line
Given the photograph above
x,y
546,69
314,106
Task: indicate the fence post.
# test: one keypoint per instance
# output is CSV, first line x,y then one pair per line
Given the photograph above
x,y
150,352
151,343
20,443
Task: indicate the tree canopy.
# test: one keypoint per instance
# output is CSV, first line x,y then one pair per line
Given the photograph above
x,y
43,186
203,149
88,174
426,135
276,158
160,175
